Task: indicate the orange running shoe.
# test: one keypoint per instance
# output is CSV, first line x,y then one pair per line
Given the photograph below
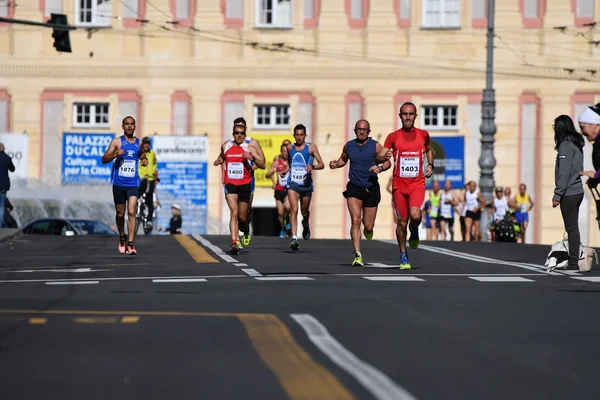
x,y
122,244
131,249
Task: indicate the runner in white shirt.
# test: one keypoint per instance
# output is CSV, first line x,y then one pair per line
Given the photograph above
x,y
448,202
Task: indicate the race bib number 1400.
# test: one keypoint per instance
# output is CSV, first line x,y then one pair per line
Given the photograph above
x,y
409,167
127,169
235,170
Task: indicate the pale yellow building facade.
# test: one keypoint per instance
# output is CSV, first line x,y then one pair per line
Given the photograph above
x,y
191,66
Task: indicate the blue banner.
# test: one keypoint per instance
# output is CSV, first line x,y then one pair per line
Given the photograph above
x,y
182,163
449,161
82,158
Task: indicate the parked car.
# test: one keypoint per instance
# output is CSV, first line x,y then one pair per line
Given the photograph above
x,y
65,227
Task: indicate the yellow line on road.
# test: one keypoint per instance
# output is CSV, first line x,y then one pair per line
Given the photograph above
x,y
37,321
300,376
148,313
95,320
196,251
130,320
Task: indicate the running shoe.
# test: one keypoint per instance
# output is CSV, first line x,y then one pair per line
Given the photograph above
x,y
358,261
238,244
131,249
282,233
306,229
368,235
246,239
234,250
404,261
122,241
414,241
294,245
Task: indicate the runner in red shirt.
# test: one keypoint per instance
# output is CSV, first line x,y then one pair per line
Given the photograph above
x,y
236,156
408,146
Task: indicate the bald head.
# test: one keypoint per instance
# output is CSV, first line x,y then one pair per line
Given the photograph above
x,y
1,147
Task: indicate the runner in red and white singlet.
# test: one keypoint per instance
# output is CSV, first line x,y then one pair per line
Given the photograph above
x,y
236,156
279,173
408,146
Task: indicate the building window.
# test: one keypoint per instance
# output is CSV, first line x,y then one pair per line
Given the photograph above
x,y
93,12
267,116
274,13
91,115
439,117
441,13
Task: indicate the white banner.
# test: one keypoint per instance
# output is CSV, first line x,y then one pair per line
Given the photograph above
x,y
16,146
180,148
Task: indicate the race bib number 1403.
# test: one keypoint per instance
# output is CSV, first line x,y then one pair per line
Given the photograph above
x,y
409,167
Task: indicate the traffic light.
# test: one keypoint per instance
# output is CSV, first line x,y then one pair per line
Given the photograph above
x,y
61,36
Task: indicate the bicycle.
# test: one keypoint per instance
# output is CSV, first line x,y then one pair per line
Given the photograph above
x,y
141,215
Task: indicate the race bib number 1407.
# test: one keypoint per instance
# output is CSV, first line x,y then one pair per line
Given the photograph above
x,y
409,167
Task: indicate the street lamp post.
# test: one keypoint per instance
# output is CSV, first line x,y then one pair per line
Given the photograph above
x,y
487,161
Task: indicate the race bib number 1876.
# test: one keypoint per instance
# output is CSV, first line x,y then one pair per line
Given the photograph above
x,y
127,169
409,167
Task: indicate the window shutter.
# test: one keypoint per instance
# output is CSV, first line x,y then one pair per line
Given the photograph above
x,y
478,8
181,114
531,9
451,13
234,9
52,6
585,9
309,9
131,8
103,13
432,13
356,9
404,9
182,9
284,13
3,116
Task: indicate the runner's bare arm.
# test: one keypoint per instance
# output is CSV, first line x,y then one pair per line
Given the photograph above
x,y
314,151
221,159
386,151
259,150
271,171
114,150
482,200
257,154
430,155
530,204
389,185
340,162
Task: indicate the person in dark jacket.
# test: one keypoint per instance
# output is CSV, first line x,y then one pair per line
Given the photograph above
x,y
569,187
6,165
9,221
175,222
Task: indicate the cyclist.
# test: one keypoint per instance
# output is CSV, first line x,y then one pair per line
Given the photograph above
x,y
148,176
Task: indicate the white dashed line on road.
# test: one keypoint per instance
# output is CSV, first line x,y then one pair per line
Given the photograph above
x,y
73,283
174,280
251,272
394,278
500,279
284,278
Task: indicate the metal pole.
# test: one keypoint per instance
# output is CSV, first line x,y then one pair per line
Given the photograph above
x,y
487,161
45,25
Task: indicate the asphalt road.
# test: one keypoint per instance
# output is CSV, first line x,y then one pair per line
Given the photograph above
x,y
182,319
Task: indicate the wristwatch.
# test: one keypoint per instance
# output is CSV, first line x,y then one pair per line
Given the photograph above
x,y
432,166
380,167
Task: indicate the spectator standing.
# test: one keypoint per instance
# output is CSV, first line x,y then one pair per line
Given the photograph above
x,y
569,187
6,165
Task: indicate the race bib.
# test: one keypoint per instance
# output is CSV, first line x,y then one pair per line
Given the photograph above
x,y
298,175
524,207
283,180
434,210
409,167
235,170
127,169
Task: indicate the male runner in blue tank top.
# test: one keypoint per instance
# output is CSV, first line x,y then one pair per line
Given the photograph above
x,y
125,150
300,185
362,191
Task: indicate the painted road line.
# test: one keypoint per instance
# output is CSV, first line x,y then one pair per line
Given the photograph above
x,y
130,320
445,275
76,270
284,278
486,260
37,321
394,278
72,282
176,280
251,272
587,278
215,249
240,265
379,265
500,279
380,385
194,249
124,278
299,375
95,320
